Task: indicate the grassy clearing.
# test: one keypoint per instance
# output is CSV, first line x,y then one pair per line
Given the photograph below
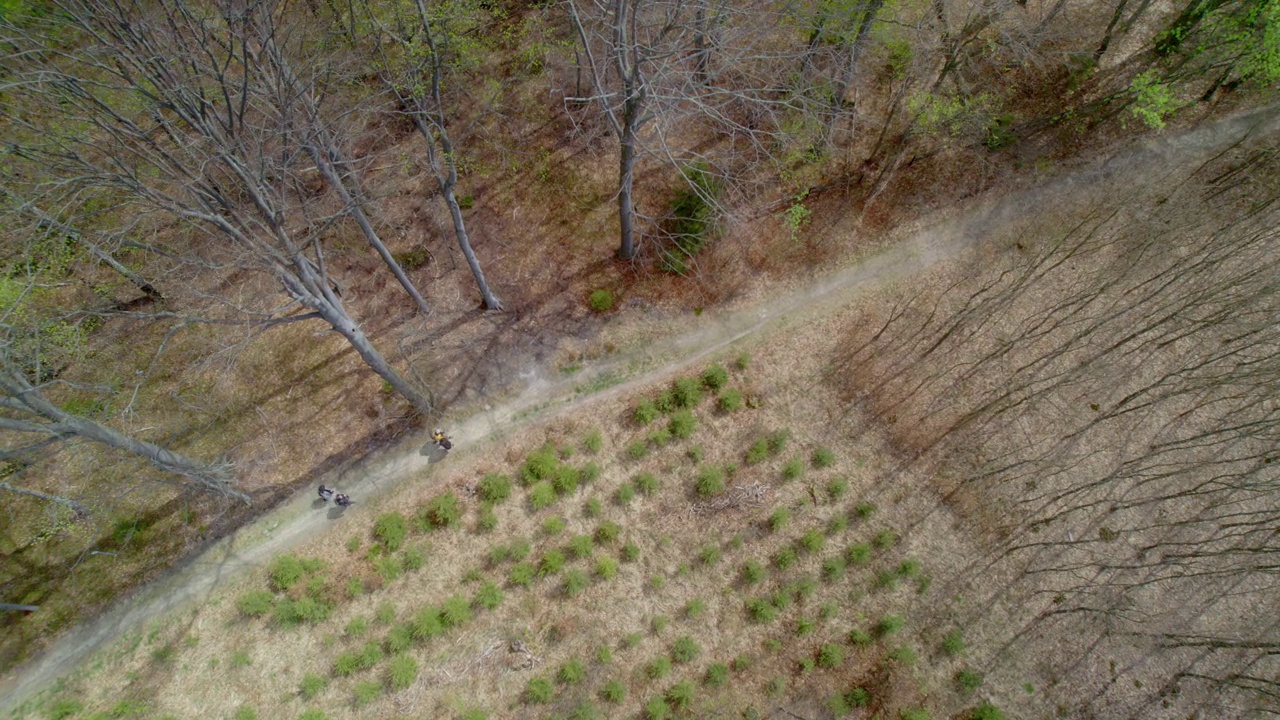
x,y
654,583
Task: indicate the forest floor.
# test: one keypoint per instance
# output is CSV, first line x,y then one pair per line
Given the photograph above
x,y
648,353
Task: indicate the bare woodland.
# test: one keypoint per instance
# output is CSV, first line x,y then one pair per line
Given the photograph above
x,y
1104,405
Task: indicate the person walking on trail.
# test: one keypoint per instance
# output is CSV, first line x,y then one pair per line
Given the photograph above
x,y
342,500
326,494
441,439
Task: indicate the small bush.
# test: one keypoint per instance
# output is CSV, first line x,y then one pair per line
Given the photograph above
x,y
389,567
552,562
580,546
657,709
614,691
311,686
541,495
784,558
730,400
885,539
637,449
859,637
600,300
607,531
953,643
593,442
811,541
968,680
402,672
415,557
455,611
632,639
709,555
743,361
385,614
694,608
659,668
858,697
255,603
286,571
758,452
823,458
838,706
858,554
904,656
644,413
630,552
585,710
494,488
575,581
864,509
489,596
776,687
779,519
666,402
909,568
682,424
346,664
538,690
647,484
606,567
474,714
313,714
830,656
63,708
833,569
426,624
486,519
541,464
443,511
687,392
624,494
805,626
681,695
793,470
604,655
572,672
715,377
837,524
752,572
717,674
391,530
914,714
592,508
710,481
761,610
659,623
889,624
521,575
553,525
886,580
827,611
837,487
565,482
685,649
987,711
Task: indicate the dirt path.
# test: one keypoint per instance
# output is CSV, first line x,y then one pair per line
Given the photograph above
x,y
547,393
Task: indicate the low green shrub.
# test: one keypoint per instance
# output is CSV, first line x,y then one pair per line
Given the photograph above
x,y
823,458
717,674
580,546
710,481
592,508
761,610
743,361
709,555
313,714
637,449
833,569
837,487
311,686
391,529
779,519
572,672
553,525
752,572
286,571
659,668
455,611
443,511
885,539
541,464
793,470
830,655
255,603
389,567
489,596
625,493
402,672
607,532
741,663
968,680
614,691
630,552
837,524
858,697
987,711
758,452
415,557
858,554
811,541
914,714
805,626
486,519
538,690
521,575
385,613
909,568
694,608
426,624
903,655
682,424
647,484
593,442
575,581
953,643
600,300
715,377
859,637
889,624
730,400
541,495
864,509
399,639
685,649
63,708
552,562
687,392
565,482
657,709
681,695
494,488
784,558
606,567
660,437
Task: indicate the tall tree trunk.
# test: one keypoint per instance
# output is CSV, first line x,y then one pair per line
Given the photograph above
x,y
855,50
1107,34
626,177
323,161
491,301
20,394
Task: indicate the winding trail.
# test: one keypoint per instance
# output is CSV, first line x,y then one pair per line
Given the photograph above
x,y
908,252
